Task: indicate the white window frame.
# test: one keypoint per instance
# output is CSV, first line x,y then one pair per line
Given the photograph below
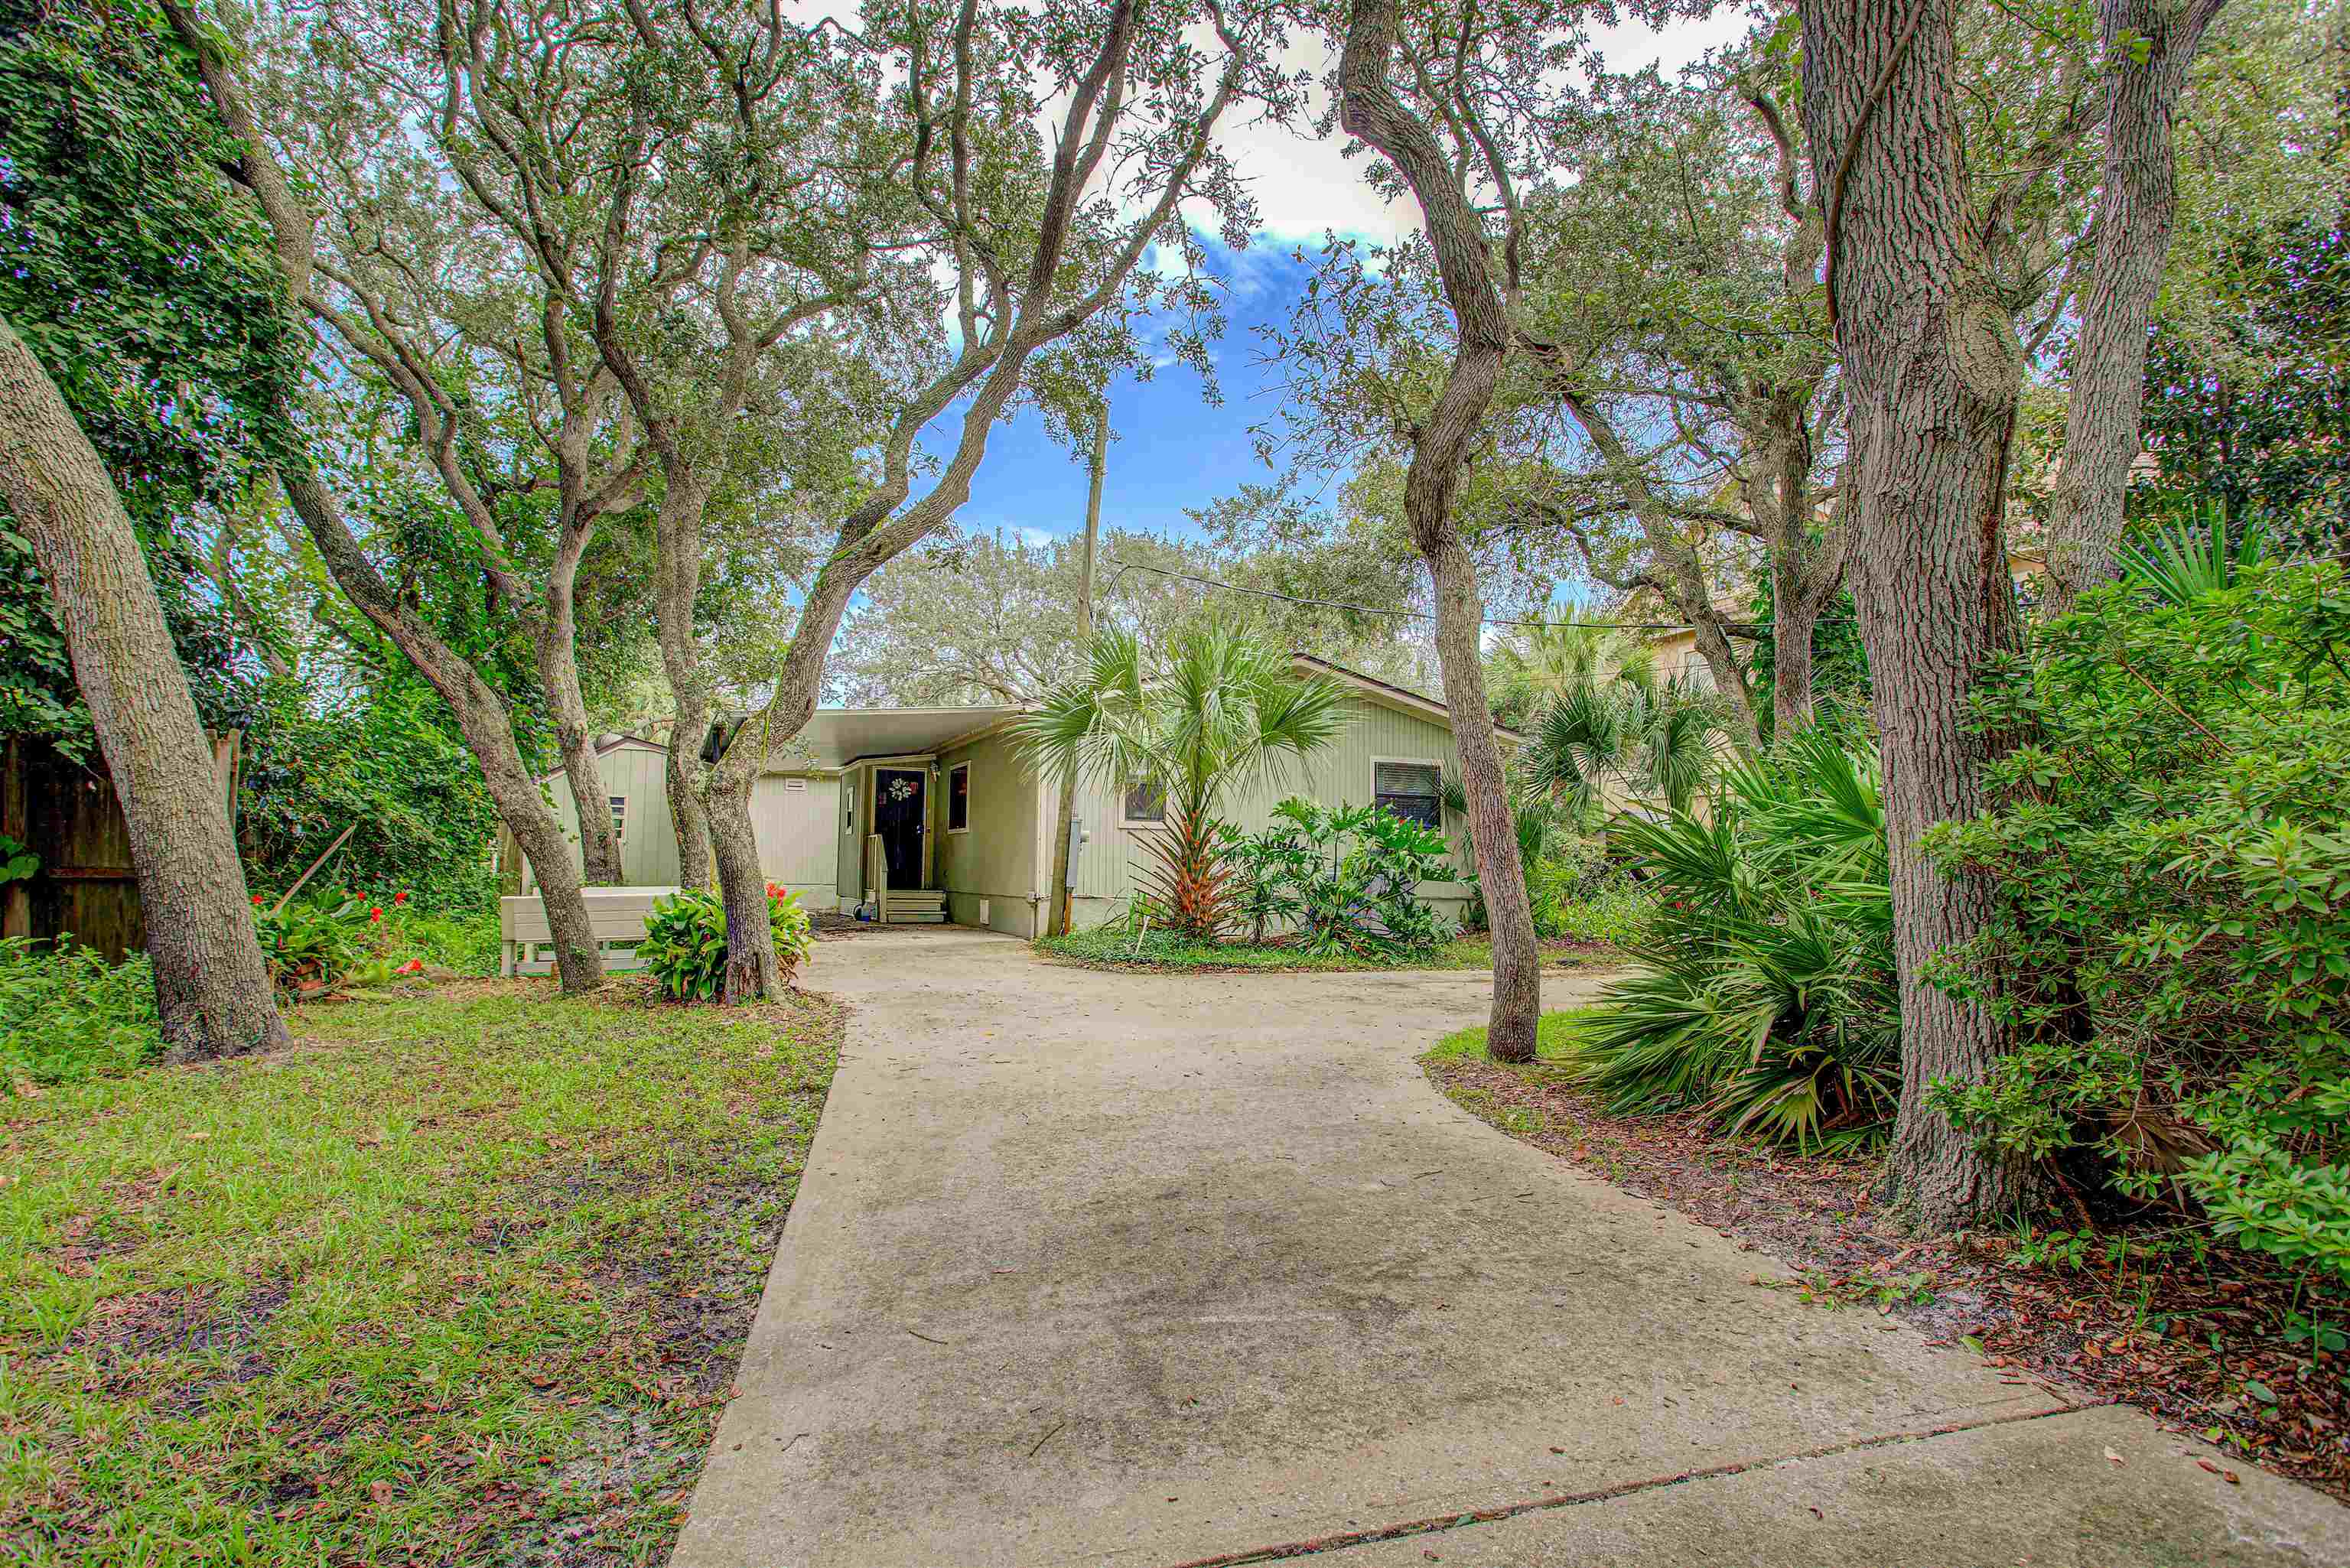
x,y
617,805
1435,762
964,769
1144,821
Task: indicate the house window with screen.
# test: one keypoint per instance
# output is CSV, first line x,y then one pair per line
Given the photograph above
x,y
620,816
959,797
1413,791
1145,801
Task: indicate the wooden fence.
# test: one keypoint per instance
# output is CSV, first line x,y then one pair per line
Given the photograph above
x,y
66,813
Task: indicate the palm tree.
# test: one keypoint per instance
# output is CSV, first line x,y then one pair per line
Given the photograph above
x,y
1221,708
1535,667
1659,741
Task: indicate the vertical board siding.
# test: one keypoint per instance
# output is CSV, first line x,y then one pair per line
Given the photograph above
x,y
1339,774
996,858
795,828
797,840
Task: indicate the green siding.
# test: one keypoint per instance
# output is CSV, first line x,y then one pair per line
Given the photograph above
x,y
996,857
648,846
1339,774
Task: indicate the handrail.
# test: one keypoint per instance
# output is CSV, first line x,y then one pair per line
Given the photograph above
x,y
877,876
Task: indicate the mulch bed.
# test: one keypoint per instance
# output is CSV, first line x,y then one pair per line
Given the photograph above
x,y
2200,1346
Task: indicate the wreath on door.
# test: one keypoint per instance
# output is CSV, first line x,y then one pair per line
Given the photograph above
x,y
900,790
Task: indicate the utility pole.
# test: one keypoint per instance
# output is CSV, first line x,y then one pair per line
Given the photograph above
x,y
1063,902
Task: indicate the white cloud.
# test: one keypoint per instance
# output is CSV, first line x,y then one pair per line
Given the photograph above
x,y
1306,188
1035,538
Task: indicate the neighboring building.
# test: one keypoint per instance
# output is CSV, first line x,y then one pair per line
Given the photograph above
x,y
965,827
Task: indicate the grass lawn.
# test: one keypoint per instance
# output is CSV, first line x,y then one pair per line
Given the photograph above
x,y
1104,948
463,1278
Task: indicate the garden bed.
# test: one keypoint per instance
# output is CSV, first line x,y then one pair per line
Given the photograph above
x,y
461,1278
1105,948
2121,1310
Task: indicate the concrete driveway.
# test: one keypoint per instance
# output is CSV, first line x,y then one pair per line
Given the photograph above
x,y
1157,1270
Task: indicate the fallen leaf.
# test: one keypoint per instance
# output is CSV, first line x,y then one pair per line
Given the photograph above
x,y
381,1491
2116,1458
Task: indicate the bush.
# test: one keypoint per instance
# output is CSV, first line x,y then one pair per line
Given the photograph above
x,y
685,948
316,946
311,947
389,764
66,1014
1349,877
1616,913
1769,998
2171,854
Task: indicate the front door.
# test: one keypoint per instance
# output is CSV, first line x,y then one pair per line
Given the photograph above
x,y
899,797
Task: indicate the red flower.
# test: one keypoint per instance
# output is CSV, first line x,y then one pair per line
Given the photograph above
x,y
412,966
375,914
400,897
257,899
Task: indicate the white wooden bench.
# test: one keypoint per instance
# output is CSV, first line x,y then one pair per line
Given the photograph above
x,y
617,915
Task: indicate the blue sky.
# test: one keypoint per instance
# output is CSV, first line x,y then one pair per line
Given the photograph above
x,y
1175,450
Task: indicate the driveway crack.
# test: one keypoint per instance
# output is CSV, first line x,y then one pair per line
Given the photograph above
x,y
1437,1524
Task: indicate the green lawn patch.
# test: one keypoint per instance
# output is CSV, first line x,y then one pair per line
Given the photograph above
x,y
1554,1038
1107,947
459,1279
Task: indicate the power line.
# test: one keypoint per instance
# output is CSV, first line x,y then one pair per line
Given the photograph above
x,y
1429,615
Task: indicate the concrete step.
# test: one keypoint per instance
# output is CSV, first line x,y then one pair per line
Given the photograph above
x,y
917,917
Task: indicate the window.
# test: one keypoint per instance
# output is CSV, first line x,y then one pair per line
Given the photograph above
x,y
1146,802
620,815
1413,791
959,799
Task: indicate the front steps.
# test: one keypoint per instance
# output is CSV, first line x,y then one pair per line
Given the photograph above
x,y
915,906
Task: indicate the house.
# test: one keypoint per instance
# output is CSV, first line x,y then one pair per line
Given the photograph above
x,y
939,802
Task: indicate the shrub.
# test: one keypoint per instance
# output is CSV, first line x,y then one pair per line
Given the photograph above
x,y
1615,913
684,947
311,948
1349,877
66,1014
1769,997
2171,853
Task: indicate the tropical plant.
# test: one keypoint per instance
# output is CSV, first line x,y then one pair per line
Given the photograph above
x,y
685,945
1769,1000
1660,742
2174,839
1349,875
2192,552
1220,710
311,948
1537,665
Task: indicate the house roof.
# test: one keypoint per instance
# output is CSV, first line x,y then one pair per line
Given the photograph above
x,y
1403,699
835,737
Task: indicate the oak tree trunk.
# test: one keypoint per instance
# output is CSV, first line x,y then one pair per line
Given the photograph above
x,y
1793,617
2137,209
753,971
681,771
557,646
212,985
1369,108
1934,374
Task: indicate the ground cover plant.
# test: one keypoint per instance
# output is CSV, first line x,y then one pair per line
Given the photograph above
x,y
1766,994
459,1279
66,1015
2210,1339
